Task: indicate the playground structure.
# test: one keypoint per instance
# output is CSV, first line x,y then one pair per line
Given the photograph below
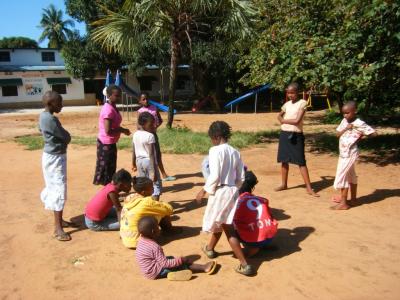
x,y
310,94
235,102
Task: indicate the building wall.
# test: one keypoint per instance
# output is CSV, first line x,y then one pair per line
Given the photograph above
x,y
31,57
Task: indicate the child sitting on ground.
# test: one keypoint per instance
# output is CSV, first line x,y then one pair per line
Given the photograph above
x,y
152,261
144,159
139,205
100,215
253,220
350,131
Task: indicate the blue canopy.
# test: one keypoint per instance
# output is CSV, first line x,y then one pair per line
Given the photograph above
x,y
109,78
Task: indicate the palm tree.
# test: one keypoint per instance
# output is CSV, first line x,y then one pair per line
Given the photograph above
x,y
178,21
54,28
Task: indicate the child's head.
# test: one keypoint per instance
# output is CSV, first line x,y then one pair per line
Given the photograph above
x,y
143,186
349,110
114,93
292,91
148,227
250,181
218,132
52,101
122,179
146,121
143,101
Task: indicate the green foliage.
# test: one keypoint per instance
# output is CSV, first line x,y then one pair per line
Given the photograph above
x,y
332,117
55,29
347,48
18,42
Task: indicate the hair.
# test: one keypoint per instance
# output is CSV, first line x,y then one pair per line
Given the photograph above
x,y
144,94
146,226
250,181
351,104
144,118
111,88
219,129
122,176
50,96
293,85
140,183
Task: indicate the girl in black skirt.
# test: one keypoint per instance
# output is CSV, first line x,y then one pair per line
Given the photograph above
x,y
291,139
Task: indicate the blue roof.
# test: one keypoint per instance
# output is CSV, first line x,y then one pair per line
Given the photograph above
x,y
15,68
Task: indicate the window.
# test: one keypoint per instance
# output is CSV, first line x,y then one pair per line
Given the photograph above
x,y
59,88
5,56
11,90
182,81
48,56
145,82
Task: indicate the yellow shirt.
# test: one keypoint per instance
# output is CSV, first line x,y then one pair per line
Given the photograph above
x,y
291,112
135,207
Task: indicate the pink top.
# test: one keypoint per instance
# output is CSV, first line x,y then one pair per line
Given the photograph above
x,y
348,140
151,259
98,208
153,110
108,111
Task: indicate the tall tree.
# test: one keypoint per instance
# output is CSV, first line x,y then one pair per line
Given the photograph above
x,y
175,21
18,42
55,29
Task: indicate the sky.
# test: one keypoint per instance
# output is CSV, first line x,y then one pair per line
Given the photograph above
x,y
22,17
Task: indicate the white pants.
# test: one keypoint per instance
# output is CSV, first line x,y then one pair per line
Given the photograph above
x,y
54,168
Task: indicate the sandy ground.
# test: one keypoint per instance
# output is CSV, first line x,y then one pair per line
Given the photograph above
x,y
319,253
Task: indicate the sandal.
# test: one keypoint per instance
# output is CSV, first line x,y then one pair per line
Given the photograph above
x,y
246,270
183,275
209,253
63,237
169,178
213,268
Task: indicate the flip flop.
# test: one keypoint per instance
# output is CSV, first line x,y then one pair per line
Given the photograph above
x,y
63,237
183,275
246,270
213,268
169,178
209,253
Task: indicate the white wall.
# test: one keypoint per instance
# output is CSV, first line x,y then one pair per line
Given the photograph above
x,y
31,57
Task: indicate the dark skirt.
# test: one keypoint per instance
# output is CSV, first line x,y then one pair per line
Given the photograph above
x,y
291,148
106,163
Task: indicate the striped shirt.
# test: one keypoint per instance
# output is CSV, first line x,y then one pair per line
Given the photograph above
x,y
151,258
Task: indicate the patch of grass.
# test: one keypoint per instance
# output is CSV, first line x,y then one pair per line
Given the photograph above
x,y
31,142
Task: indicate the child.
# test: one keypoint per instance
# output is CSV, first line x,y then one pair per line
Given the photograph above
x,y
54,162
226,175
109,133
350,131
144,159
291,139
152,261
253,220
147,107
99,213
139,205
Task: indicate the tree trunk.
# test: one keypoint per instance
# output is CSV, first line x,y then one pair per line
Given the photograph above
x,y
172,79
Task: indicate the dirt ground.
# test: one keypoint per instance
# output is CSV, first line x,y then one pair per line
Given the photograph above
x,y
317,254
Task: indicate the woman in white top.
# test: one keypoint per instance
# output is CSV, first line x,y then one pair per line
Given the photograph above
x,y
291,139
225,178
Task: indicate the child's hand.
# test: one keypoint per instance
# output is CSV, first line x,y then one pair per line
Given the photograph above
x,y
126,131
200,195
349,127
134,168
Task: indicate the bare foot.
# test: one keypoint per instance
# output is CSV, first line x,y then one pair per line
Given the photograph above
x,y
340,206
312,193
280,188
337,198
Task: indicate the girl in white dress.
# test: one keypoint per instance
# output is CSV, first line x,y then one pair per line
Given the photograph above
x,y
225,178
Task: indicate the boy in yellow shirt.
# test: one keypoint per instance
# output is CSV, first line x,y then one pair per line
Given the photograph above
x,y
139,205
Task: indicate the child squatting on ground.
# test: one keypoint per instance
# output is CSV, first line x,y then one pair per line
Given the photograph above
x,y
226,176
253,221
144,159
291,139
152,261
139,205
100,215
350,131
147,107
54,163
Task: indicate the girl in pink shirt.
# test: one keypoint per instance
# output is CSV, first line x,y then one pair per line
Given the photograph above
x,y
109,133
99,213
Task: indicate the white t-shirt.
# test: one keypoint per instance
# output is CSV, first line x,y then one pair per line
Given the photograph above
x,y
291,112
143,142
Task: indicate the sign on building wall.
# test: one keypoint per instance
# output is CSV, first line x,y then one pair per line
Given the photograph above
x,y
33,86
